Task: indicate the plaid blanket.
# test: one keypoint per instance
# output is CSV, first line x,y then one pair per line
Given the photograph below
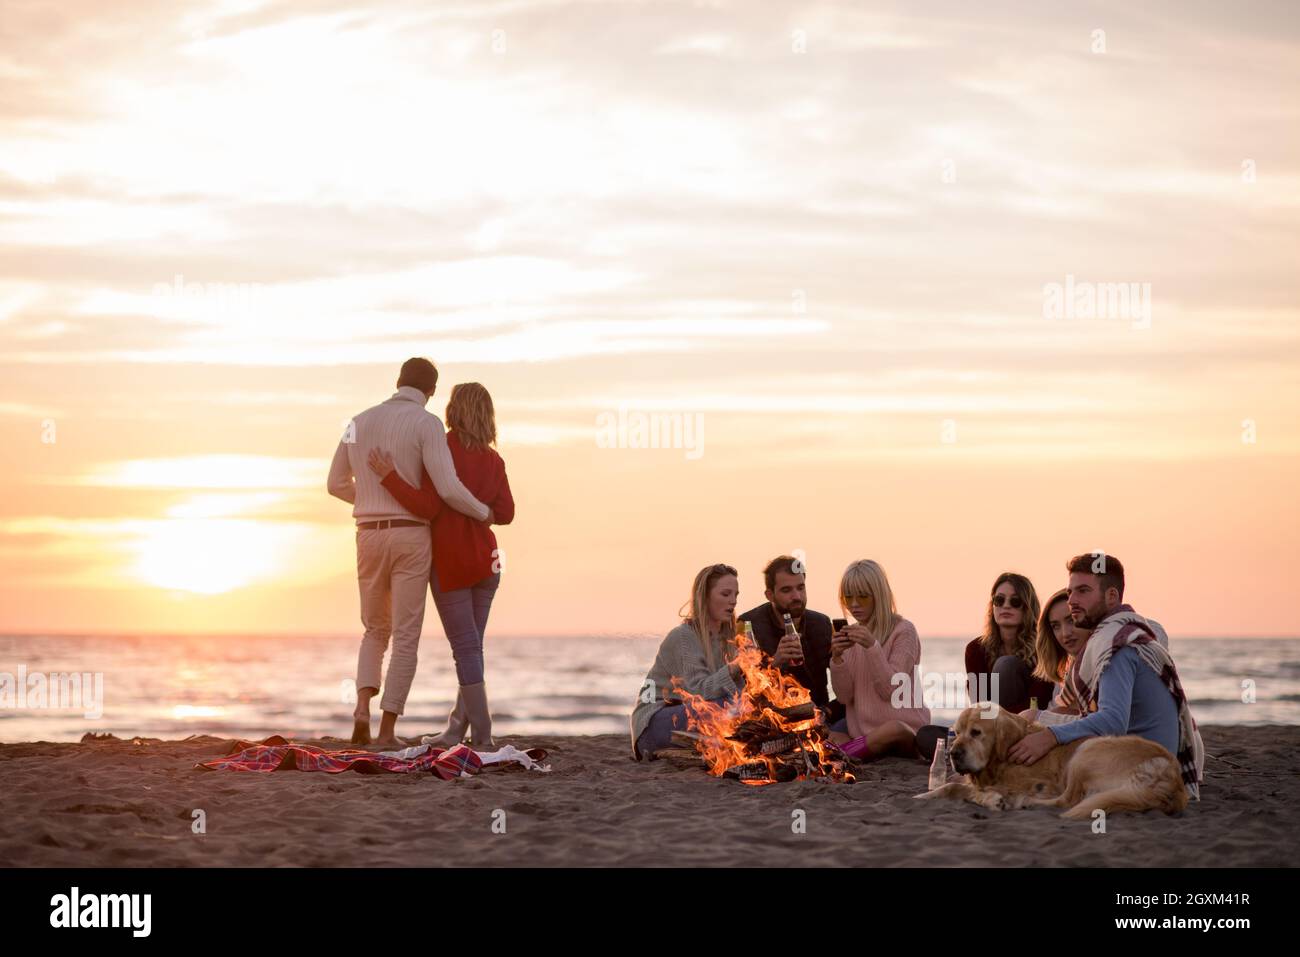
x,y
277,754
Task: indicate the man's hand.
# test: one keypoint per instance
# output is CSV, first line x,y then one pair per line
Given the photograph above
x,y
788,651
1032,747
1030,714
380,462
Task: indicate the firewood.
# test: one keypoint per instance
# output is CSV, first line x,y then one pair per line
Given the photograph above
x,y
680,757
777,745
798,712
686,739
759,771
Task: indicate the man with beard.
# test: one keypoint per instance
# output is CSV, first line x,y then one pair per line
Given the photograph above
x,y
804,658
1124,670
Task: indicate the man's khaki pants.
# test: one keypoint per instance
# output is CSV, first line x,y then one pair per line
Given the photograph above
x,y
393,566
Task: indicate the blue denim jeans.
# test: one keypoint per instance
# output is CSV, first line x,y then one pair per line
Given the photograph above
x,y
464,614
659,733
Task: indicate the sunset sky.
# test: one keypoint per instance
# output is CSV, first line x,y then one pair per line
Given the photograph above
x,y
822,230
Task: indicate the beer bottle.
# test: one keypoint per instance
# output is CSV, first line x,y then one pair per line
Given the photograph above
x,y
789,631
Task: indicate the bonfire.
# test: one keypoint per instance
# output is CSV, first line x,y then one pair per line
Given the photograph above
x,y
775,732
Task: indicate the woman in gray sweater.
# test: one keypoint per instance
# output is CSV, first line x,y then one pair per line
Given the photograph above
x,y
699,654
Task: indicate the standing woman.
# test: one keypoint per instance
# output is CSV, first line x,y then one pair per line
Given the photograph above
x,y
466,567
699,655
865,657
1006,649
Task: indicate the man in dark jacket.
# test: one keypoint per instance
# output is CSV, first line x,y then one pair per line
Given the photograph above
x,y
786,592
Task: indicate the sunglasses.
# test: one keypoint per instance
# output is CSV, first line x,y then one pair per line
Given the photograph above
x,y
1015,601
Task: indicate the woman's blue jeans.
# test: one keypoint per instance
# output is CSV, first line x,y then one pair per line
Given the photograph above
x,y
659,733
464,614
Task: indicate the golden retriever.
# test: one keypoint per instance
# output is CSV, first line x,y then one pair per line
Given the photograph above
x,y
1111,774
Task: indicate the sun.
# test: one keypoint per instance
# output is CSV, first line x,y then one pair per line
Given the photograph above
x,y
209,556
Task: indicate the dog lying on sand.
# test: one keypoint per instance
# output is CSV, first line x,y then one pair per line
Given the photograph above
x,y
1111,774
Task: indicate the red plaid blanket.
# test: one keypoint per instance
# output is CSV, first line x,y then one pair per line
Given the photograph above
x,y
277,754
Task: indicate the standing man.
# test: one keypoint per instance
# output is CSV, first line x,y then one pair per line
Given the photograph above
x,y
394,547
786,592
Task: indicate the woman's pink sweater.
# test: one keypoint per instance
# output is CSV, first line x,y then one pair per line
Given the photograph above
x,y
863,680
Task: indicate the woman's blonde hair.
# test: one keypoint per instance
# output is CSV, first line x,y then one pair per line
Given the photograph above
x,y
866,578
1051,656
470,413
718,649
1027,634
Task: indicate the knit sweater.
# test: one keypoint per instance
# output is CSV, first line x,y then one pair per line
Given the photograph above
x,y
414,436
680,656
863,680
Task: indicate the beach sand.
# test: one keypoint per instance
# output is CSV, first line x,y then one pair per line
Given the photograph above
x,y
124,803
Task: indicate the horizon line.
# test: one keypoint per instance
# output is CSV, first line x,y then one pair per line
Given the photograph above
x,y
607,635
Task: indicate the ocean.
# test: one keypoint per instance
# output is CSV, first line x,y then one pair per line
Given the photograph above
x,y
172,687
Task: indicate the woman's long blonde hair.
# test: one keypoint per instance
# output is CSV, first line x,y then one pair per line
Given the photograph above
x,y
863,578
1052,657
718,649
471,414
1027,635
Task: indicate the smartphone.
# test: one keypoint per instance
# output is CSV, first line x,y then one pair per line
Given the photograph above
x,y
838,624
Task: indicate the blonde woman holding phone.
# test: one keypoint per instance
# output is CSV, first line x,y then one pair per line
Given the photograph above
x,y
865,656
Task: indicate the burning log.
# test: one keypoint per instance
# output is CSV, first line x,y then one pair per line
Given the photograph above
x,y
775,733
799,712
759,772
778,745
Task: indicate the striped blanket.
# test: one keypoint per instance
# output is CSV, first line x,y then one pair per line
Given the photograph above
x,y
277,754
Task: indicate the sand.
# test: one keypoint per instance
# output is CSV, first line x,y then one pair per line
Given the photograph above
x,y
125,803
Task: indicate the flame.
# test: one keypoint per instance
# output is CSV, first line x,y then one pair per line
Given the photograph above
x,y
766,694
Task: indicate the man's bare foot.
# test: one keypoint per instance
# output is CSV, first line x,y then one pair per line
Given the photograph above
x,y
392,743
361,731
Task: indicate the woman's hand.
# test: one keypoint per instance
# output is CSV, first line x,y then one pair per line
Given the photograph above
x,y
380,462
859,634
840,643
1030,714
1032,747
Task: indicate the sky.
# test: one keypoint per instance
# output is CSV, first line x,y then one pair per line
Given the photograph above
x,y
867,257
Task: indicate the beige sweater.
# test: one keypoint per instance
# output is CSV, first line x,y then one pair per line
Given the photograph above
x,y
680,656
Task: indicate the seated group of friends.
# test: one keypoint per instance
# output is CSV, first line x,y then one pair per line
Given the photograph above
x,y
1084,663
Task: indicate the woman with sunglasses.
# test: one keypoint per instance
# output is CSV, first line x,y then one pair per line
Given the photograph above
x,y
698,656
1006,651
